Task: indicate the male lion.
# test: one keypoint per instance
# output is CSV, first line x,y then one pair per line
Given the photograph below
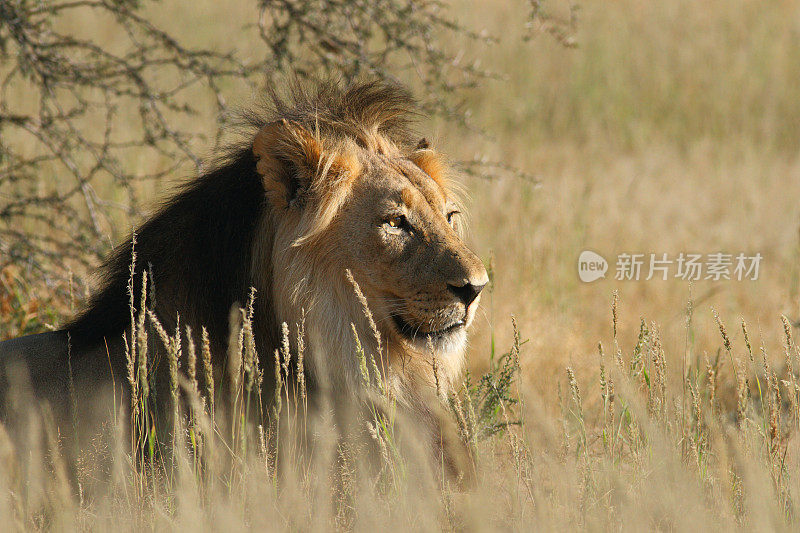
x,y
330,180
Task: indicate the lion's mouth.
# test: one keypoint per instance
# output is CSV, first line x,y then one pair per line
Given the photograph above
x,y
414,332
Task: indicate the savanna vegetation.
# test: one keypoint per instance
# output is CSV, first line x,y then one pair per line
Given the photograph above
x,y
623,127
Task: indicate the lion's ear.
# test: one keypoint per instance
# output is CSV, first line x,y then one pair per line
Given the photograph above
x,y
288,157
429,162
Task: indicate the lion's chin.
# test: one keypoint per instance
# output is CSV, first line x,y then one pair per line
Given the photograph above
x,y
452,338
452,342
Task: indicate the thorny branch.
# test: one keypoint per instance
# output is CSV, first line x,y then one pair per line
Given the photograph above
x,y
79,116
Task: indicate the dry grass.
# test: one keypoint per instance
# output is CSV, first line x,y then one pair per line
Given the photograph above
x,y
627,451
672,127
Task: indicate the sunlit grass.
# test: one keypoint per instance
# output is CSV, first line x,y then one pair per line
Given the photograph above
x,y
672,127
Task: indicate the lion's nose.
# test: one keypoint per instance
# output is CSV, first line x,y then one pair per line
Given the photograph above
x,y
466,292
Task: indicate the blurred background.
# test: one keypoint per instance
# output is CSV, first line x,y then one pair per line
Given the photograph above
x,y
619,127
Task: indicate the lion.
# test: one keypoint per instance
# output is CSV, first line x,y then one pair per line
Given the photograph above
x,y
331,179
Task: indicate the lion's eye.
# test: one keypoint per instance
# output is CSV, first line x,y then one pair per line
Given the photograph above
x,y
396,223
451,216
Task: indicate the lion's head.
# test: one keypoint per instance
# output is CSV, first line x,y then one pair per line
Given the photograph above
x,y
349,189
331,179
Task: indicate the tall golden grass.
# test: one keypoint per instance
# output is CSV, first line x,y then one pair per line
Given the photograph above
x,y
627,451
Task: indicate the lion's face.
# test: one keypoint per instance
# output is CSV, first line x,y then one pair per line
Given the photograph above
x,y
386,214
401,231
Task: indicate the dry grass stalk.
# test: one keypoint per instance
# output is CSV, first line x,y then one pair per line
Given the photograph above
x,y
131,373
565,436
367,313
191,360
658,390
747,341
790,383
774,404
742,395
362,359
141,336
617,350
208,371
711,379
726,340
285,353
276,407
235,354
607,396
249,355
173,346
301,348
435,368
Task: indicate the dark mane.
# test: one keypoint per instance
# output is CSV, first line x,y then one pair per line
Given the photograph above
x,y
197,249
